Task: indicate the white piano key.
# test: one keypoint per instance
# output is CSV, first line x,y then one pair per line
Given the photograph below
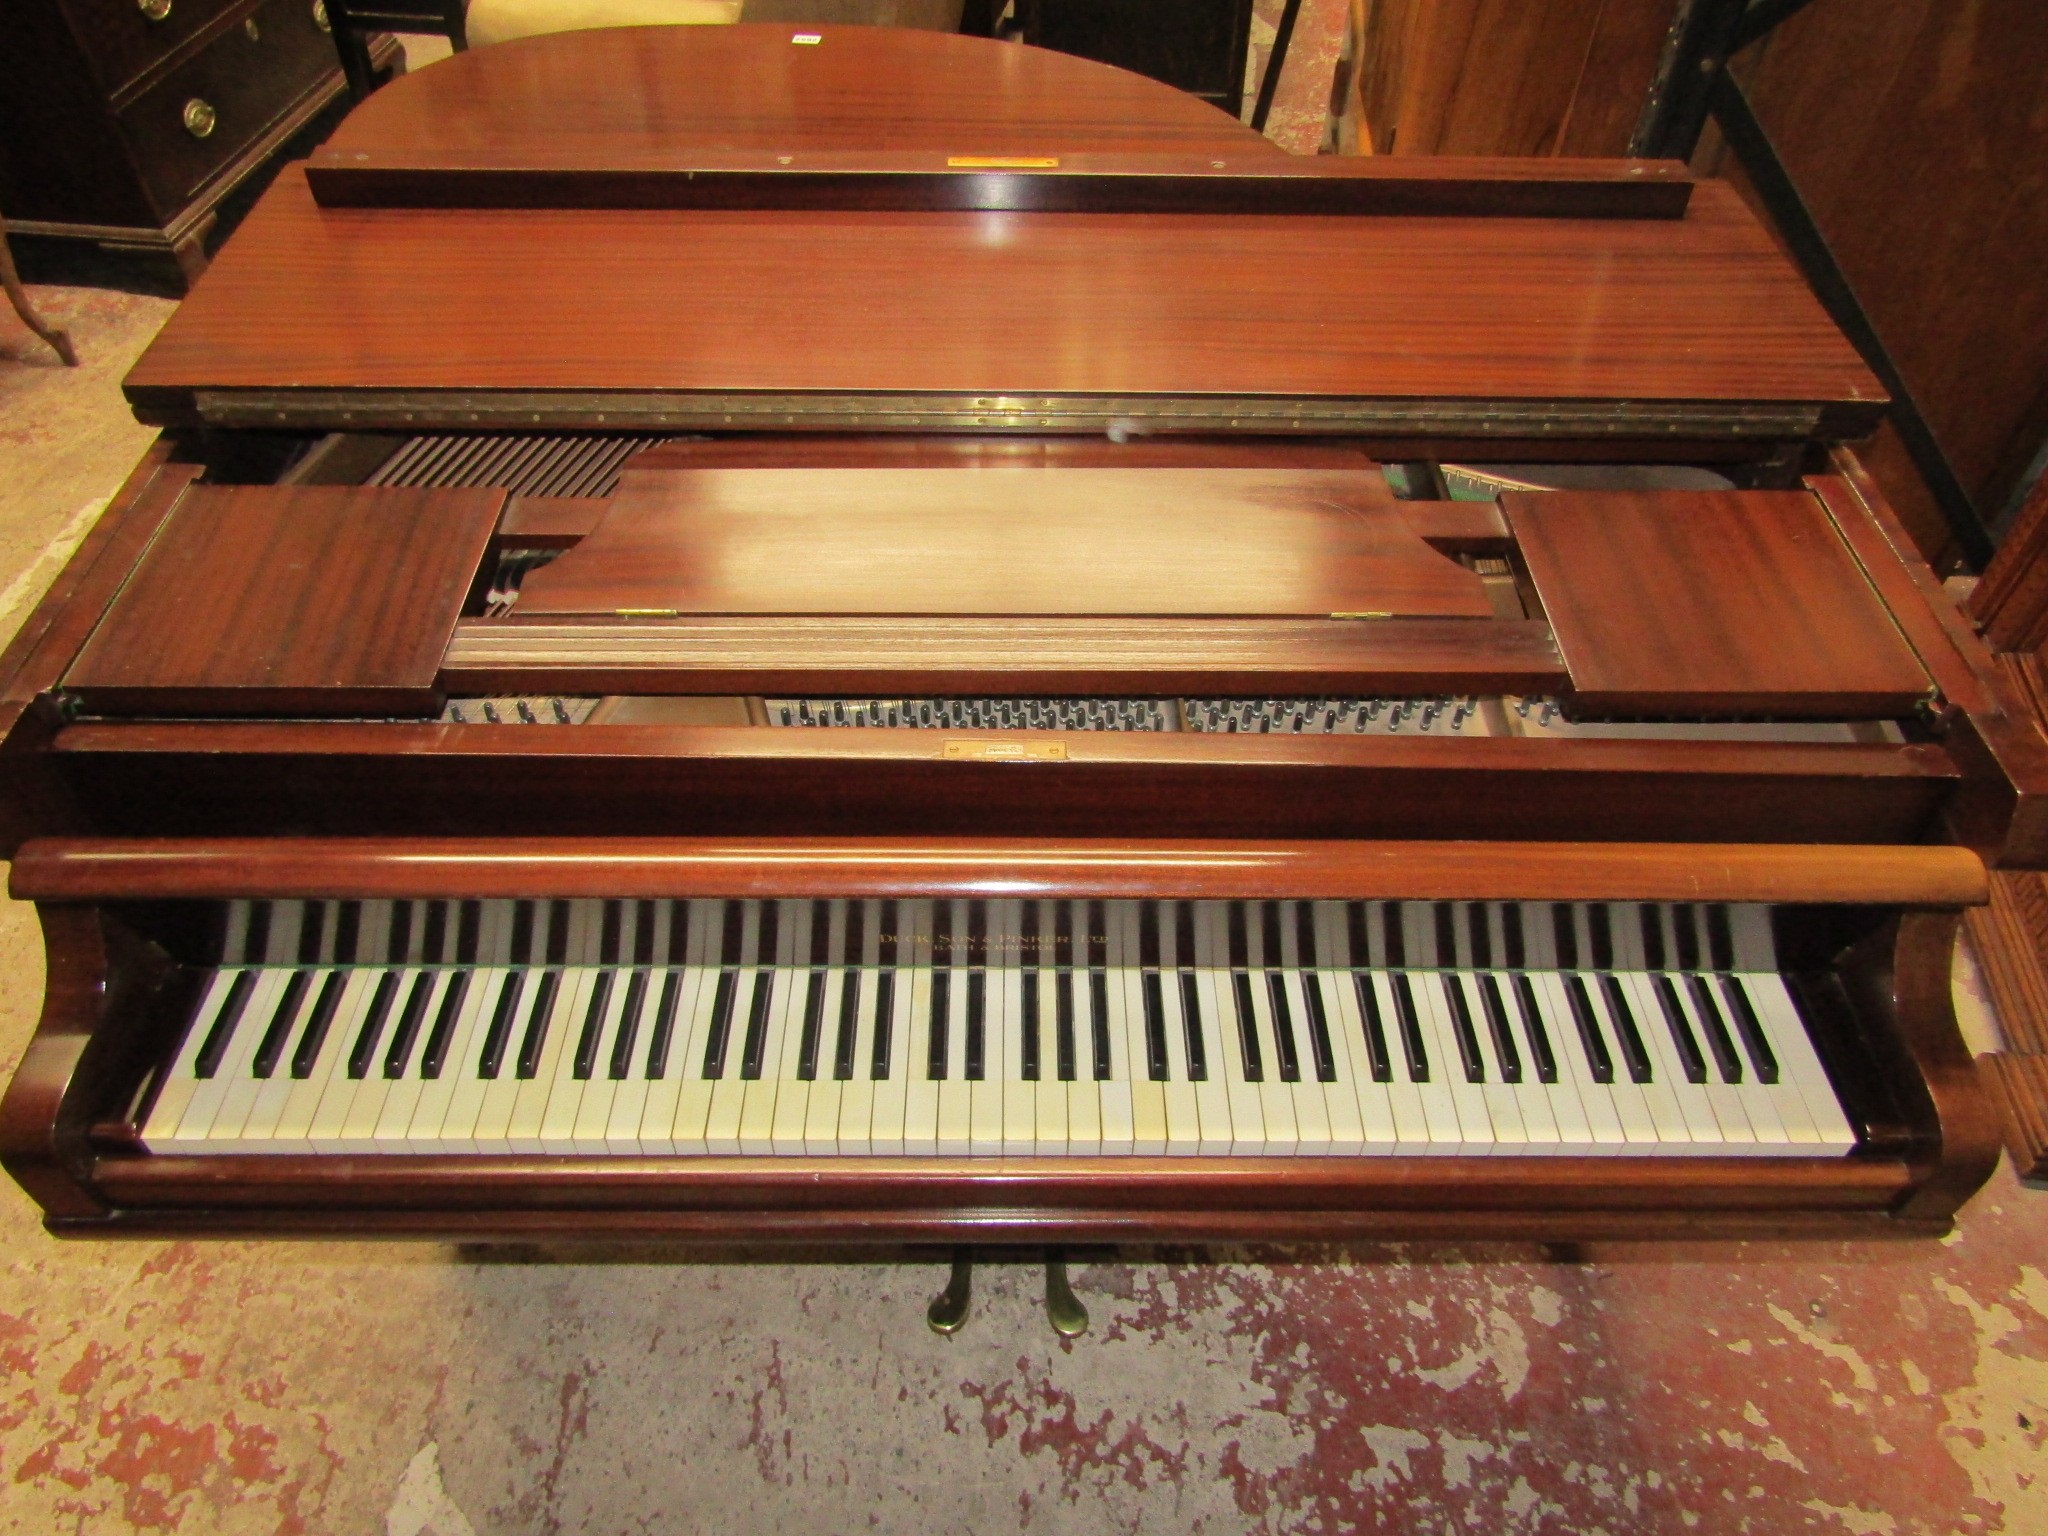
x,y
889,1097
259,1132
678,1107
1510,1132
1184,1136
592,1130
195,1127
1468,1100
1801,1134
1085,1129
760,1095
356,1131
180,1081
912,1063
1127,988
293,1132
1660,1104
1348,1133
431,1116
1798,1061
524,1131
825,1103
1020,1098
1544,1110
1702,1128
1311,1103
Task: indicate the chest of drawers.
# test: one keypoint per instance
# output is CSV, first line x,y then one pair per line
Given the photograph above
x,y
128,122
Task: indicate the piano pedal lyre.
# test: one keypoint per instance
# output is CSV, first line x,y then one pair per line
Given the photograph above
x,y
948,1312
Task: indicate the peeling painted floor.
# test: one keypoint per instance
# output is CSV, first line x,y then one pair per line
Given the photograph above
x,y
1876,1388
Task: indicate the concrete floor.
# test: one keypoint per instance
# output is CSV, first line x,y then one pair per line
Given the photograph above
x,y
1870,1390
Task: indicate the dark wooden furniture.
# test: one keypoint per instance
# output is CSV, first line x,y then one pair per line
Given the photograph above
x,y
57,340
710,583
357,25
127,122
1196,46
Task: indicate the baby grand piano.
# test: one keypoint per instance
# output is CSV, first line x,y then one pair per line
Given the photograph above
x,y
734,636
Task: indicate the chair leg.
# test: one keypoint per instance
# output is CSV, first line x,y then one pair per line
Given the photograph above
x,y
355,61
59,342
456,18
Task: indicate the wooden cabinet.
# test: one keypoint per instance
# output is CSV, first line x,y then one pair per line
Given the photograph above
x,y
128,121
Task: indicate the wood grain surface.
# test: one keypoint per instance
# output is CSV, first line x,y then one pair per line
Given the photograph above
x,y
1196,542
1712,603
323,599
201,869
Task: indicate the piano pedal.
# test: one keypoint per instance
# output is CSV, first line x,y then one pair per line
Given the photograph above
x,y
948,1311
1069,1318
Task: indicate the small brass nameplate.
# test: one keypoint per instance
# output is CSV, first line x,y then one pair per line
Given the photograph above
x,y
1003,162
1006,751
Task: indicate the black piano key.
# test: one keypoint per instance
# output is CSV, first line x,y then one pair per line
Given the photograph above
x,y
1027,1031
1269,933
1411,1029
977,1040
845,1042
469,933
398,940
662,1037
348,931
1598,1060
1155,1026
314,1035
1028,954
1447,934
1600,929
1633,1052
716,1038
1247,1027
558,933
1098,935
445,1020
1285,1049
643,934
1319,1046
1652,920
734,935
1534,1030
1354,928
1381,1063
1690,1059
856,933
1719,1041
1098,1011
1191,1025
609,932
1394,936
942,935
821,934
628,1033
313,927
538,1020
522,932
1305,935
1148,935
256,939
435,936
1720,937
1480,934
1240,941
754,1044
410,1018
1063,934
591,1039
1495,1008
1688,936
1566,931
491,1059
364,1051
1063,1025
813,1027
885,1024
1751,1029
678,933
1462,1030
1184,934
1514,951
271,1046
941,1016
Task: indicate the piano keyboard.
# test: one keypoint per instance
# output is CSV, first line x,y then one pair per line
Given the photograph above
x,y
995,1028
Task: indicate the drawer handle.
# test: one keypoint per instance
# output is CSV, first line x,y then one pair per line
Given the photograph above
x,y
199,118
250,30
319,15
155,10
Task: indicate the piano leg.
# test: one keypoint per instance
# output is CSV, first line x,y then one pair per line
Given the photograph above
x,y
948,1311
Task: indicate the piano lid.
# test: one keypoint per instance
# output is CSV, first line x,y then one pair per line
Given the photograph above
x,y
1694,327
